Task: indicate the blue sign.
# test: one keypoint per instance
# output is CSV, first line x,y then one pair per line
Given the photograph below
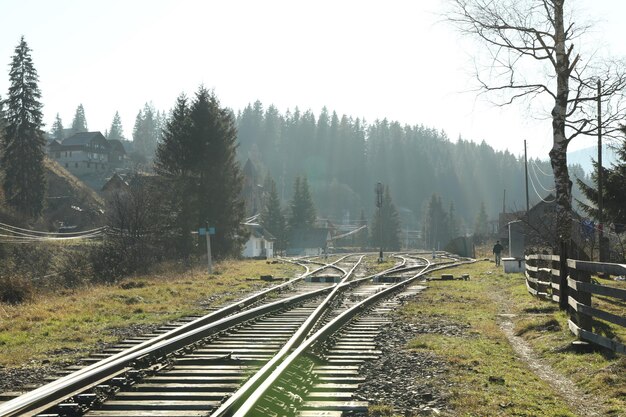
x,y
203,231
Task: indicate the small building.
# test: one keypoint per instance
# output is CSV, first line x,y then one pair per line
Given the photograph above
x,y
260,244
309,242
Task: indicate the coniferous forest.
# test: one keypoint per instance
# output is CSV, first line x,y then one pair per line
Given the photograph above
x,y
343,157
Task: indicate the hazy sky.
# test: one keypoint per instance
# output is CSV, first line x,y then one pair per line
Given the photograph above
x,y
369,59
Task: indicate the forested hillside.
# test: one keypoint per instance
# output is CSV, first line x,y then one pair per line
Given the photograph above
x,y
344,157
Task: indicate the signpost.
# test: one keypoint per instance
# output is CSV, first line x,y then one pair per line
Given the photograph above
x,y
208,231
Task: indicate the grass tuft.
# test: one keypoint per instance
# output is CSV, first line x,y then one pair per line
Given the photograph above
x,y
59,327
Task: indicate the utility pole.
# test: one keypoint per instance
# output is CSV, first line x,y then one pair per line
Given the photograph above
x,y
379,204
504,202
601,253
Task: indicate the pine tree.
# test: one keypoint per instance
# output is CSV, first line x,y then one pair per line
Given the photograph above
x,y
220,179
272,217
481,225
146,132
302,209
79,123
613,195
388,216
453,224
23,152
57,132
436,223
175,162
116,132
197,157
2,121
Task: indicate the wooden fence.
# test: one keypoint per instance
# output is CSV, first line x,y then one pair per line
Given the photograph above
x,y
569,284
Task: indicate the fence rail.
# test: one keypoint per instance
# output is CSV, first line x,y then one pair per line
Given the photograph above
x,y
569,284
543,278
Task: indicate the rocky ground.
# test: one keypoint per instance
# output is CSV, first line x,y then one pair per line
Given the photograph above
x,y
415,383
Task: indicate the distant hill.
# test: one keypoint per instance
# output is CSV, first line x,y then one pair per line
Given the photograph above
x,y
584,156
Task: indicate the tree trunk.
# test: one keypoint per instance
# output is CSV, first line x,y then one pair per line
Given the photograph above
x,y
558,154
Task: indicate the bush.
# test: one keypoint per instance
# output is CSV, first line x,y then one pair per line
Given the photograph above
x,y
117,258
15,289
74,269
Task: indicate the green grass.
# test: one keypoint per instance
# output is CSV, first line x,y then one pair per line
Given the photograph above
x,y
488,377
76,322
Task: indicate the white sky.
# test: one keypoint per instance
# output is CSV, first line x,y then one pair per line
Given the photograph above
x,y
370,59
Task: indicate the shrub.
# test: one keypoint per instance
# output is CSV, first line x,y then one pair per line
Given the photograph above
x,y
74,269
15,289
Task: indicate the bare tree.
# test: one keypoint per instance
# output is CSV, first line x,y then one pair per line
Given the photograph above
x,y
132,216
534,51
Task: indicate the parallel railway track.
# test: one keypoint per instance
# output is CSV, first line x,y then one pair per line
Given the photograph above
x,y
297,354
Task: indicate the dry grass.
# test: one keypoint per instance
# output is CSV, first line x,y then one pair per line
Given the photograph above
x,y
75,322
489,379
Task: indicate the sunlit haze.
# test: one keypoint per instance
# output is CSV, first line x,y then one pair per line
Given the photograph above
x,y
397,60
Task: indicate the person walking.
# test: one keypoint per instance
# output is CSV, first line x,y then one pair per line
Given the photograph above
x,y
497,250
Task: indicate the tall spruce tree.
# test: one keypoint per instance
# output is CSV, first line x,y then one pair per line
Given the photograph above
x,y
481,225
176,162
220,179
272,217
79,123
388,216
453,224
22,153
57,131
198,154
302,210
436,224
613,195
116,132
146,132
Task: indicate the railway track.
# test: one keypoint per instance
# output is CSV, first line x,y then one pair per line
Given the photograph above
x,y
297,354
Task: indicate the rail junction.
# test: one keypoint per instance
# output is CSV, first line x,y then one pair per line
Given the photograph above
x,y
293,349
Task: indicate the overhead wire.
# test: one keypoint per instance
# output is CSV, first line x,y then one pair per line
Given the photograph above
x,y
532,182
534,167
15,234
48,233
539,168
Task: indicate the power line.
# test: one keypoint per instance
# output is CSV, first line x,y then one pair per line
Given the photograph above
x,y
539,168
537,193
15,234
535,167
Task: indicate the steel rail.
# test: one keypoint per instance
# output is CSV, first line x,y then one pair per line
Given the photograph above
x,y
328,329
256,381
60,388
297,338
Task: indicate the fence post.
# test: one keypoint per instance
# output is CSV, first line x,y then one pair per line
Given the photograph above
x,y
563,288
582,320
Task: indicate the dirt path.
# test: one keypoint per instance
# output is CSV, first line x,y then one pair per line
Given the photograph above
x,y
581,403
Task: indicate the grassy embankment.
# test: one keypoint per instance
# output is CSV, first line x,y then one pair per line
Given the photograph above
x,y
488,377
62,327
